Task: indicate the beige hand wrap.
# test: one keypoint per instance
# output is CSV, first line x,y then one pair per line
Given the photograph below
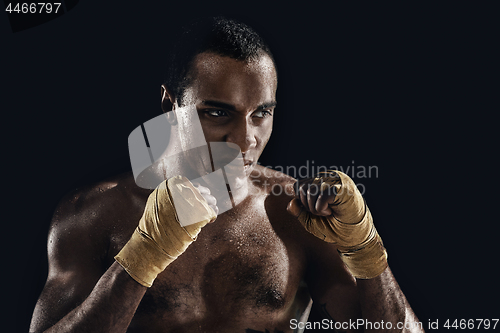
x,y
160,239
351,226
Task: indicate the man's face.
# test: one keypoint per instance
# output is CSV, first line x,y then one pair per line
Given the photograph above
x,y
235,101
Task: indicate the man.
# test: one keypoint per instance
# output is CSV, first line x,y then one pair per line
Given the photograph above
x,y
120,260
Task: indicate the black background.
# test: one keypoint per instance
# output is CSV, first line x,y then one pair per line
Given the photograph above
x,y
408,89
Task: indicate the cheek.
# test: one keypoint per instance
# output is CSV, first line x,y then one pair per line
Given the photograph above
x,y
212,133
264,133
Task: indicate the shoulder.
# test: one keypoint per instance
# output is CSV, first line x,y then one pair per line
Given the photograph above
x,y
99,199
80,242
88,216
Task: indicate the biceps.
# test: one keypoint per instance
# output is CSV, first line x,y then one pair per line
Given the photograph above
x,y
333,290
339,303
60,295
73,274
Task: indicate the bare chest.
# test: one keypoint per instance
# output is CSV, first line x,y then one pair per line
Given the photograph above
x,y
242,268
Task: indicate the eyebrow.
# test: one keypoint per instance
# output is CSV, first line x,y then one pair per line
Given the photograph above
x,y
231,107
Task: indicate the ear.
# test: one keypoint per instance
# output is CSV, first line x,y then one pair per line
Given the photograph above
x,y
168,104
167,99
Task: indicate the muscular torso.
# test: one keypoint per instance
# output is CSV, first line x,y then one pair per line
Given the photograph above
x,y
243,273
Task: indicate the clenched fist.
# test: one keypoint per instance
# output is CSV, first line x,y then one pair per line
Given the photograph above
x,y
331,207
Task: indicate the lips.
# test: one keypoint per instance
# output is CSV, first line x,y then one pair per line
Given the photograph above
x,y
241,164
248,166
243,161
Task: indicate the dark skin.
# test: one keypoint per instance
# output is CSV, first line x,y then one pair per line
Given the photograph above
x,y
242,274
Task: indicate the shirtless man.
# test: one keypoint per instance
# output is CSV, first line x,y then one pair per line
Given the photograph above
x,y
254,269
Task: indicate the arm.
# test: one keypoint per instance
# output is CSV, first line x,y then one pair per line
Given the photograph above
x,y
382,299
77,296
109,307
358,284
340,297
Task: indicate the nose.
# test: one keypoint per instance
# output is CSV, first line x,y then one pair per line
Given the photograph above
x,y
243,134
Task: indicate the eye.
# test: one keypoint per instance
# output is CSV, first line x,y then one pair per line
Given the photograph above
x,y
216,113
262,114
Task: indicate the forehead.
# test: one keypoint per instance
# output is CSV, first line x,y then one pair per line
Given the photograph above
x,y
229,80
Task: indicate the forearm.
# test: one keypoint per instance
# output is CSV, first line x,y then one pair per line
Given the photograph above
x,y
382,300
332,208
109,308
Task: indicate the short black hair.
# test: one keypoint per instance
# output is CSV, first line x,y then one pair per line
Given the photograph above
x,y
219,35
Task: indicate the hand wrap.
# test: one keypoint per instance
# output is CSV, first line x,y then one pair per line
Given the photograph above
x,y
159,238
350,226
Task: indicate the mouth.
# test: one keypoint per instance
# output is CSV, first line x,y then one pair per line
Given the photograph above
x,y
247,165
240,167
